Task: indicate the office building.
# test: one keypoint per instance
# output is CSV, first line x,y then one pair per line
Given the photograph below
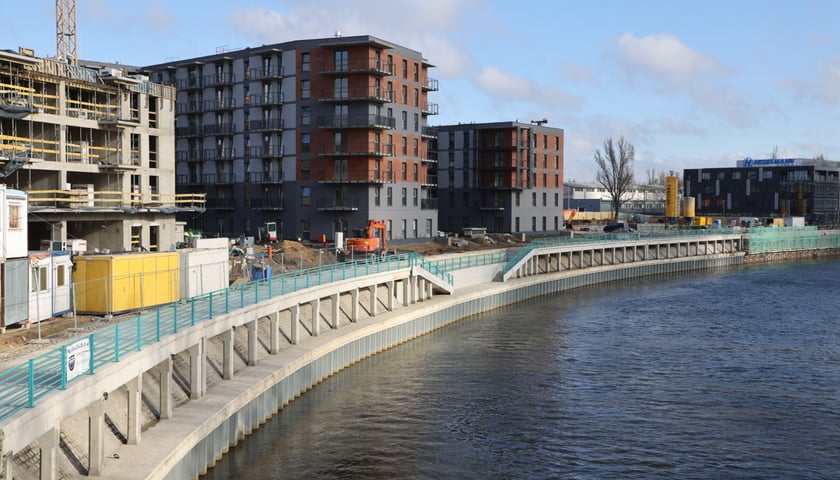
x,y
774,187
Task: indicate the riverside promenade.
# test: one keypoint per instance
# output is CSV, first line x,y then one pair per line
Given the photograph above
x,y
175,406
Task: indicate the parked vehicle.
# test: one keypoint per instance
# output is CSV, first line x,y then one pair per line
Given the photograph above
x,y
619,227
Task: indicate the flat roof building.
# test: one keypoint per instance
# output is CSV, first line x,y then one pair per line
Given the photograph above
x,y
316,136
505,176
774,187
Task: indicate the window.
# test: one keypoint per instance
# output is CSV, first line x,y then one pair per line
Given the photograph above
x,y
414,228
516,229
304,62
304,116
545,204
304,89
414,198
404,197
405,120
305,196
305,140
416,97
533,224
340,89
556,199
416,122
39,279
61,276
415,171
341,60
377,193
405,68
404,171
533,199
405,95
14,216
416,72
416,148
389,197
404,146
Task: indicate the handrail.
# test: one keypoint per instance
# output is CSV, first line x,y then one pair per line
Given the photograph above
x,y
22,385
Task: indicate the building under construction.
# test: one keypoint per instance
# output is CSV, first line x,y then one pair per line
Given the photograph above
x,y
93,147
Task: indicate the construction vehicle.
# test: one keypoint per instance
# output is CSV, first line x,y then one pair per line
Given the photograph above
x,y
370,241
569,215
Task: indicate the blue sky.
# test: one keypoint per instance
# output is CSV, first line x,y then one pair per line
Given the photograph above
x,y
689,84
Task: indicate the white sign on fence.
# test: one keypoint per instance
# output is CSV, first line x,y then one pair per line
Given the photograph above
x,y
78,358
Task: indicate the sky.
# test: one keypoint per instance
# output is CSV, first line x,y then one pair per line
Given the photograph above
x,y
688,84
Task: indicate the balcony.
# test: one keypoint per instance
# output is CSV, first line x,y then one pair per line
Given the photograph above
x,y
262,125
266,177
338,204
430,85
188,180
219,129
191,131
189,83
358,94
272,152
429,181
221,203
265,73
356,121
193,106
220,104
222,154
219,178
428,204
370,65
328,174
219,80
490,206
431,157
267,204
429,132
355,149
265,100
189,156
429,109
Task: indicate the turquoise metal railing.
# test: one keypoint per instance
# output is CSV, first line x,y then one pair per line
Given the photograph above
x,y
768,239
473,260
21,386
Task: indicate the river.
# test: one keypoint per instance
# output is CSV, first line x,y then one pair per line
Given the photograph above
x,y
724,374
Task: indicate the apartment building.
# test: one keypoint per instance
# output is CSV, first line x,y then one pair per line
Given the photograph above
x,y
504,176
93,149
316,136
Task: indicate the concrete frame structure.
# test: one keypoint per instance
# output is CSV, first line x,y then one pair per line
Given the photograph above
x,y
318,136
773,187
504,176
92,146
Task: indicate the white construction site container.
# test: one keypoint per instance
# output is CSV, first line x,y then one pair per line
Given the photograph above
x,y
204,270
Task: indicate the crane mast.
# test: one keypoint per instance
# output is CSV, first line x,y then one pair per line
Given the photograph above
x,y
65,31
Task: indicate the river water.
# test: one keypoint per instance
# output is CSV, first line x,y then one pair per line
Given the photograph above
x,y
725,374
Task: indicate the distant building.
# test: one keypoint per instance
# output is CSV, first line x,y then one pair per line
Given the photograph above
x,y
504,176
92,147
780,187
593,197
316,136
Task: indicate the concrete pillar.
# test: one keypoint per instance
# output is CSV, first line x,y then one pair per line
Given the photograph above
x,y
354,299
414,280
135,408
374,303
429,290
336,311
390,296
197,360
6,462
48,444
316,317
274,338
295,324
165,380
421,289
227,353
253,334
96,440
406,291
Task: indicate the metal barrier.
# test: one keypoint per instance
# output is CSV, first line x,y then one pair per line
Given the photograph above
x,y
21,386
771,239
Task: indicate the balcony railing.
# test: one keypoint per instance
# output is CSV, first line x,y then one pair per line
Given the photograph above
x,y
190,131
430,85
429,180
275,98
219,129
189,83
356,121
273,151
338,205
430,132
429,109
212,154
356,149
219,178
188,180
428,204
261,125
357,65
351,175
266,177
194,106
267,73
220,104
219,80
368,94
189,156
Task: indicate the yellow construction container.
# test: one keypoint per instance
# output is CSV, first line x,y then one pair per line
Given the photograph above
x,y
125,282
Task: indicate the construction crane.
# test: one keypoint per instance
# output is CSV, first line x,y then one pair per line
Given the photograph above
x,y
65,31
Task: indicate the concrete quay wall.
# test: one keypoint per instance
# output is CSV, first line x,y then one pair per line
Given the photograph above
x,y
247,379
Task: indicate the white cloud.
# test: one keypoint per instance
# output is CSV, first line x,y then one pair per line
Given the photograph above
x,y
665,58
498,83
825,88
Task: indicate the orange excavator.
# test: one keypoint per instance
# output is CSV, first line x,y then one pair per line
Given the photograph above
x,y
569,215
369,241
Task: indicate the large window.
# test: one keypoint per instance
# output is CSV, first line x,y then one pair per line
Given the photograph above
x,y
305,196
342,60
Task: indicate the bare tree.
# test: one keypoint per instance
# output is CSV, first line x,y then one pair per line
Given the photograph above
x,y
615,170
650,176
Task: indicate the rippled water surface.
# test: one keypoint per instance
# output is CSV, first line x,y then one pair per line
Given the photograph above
x,y
726,374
